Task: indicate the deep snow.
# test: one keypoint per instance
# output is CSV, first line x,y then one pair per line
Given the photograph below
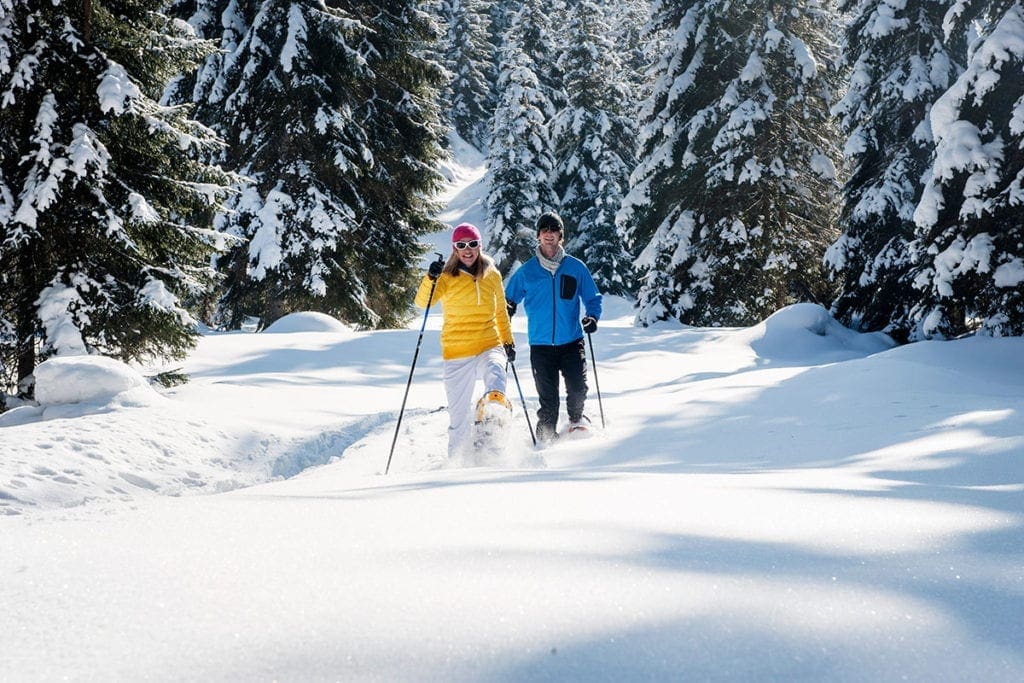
x,y
771,502
787,501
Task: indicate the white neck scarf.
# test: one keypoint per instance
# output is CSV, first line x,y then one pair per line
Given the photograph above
x,y
551,264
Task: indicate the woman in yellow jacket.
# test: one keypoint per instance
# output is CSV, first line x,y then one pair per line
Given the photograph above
x,y
476,335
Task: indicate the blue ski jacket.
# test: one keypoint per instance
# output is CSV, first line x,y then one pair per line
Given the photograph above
x,y
552,301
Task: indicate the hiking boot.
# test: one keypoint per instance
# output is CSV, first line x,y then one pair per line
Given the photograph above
x,y
580,425
546,433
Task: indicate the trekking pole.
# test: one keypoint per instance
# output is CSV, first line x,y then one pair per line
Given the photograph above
x,y
416,355
597,385
521,398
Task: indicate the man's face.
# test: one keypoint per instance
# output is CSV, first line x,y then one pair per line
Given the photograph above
x,y
549,241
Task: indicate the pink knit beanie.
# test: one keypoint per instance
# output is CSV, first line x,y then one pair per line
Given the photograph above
x,y
465,231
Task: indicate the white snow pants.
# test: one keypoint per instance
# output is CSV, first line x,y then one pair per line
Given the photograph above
x,y
460,377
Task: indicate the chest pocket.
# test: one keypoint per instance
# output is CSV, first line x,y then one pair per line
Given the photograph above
x,y
567,287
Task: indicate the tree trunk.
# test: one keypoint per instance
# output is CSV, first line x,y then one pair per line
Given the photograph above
x,y
86,16
25,320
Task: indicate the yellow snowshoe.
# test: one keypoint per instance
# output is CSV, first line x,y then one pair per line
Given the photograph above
x,y
492,404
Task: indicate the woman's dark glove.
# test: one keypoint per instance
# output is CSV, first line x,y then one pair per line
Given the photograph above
x,y
435,269
510,351
590,324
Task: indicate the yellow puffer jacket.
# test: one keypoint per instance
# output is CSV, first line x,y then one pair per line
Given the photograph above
x,y
475,317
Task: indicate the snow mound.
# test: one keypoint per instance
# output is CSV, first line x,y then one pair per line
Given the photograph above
x,y
808,330
987,360
308,321
89,379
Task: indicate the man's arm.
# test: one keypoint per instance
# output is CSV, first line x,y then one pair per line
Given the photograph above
x,y
590,296
514,288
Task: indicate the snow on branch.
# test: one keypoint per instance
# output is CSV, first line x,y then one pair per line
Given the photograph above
x,y
55,306
116,90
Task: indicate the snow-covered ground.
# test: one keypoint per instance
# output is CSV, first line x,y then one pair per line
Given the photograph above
x,y
787,501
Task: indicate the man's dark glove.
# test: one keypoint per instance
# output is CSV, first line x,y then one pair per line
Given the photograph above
x,y
511,306
590,324
510,351
434,271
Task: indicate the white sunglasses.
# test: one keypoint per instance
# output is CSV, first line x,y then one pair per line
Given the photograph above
x,y
472,244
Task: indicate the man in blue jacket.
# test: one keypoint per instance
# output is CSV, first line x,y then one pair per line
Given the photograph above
x,y
551,286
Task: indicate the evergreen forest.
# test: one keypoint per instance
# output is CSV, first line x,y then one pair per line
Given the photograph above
x,y
170,165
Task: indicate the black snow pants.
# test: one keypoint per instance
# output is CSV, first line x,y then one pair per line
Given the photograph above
x,y
547,362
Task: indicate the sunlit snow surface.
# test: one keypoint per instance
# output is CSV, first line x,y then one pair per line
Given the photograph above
x,y
790,501
784,501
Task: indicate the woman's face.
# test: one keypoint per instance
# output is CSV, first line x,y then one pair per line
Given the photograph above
x,y
469,251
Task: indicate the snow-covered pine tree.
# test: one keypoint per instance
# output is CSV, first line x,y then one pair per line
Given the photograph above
x,y
970,220
270,98
520,159
595,141
330,109
539,36
501,12
653,215
734,200
899,65
469,57
436,51
104,211
636,51
399,108
543,40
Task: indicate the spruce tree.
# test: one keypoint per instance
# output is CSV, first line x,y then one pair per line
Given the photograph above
x,y
733,201
898,64
104,211
399,106
330,110
635,50
501,13
969,250
469,57
520,159
653,215
594,147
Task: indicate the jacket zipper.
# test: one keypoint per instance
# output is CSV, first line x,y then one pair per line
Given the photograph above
x,y
554,313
